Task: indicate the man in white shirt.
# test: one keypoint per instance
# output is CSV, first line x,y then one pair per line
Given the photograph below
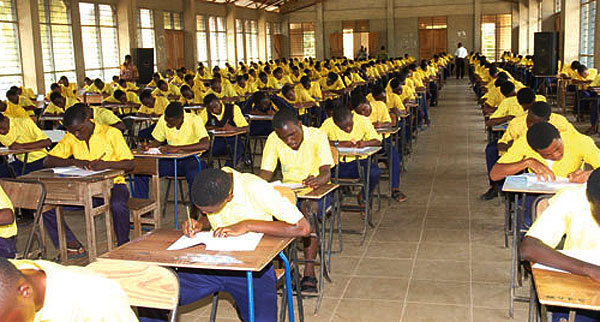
x,y
460,54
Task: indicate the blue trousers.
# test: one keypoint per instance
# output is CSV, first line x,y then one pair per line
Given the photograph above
x,y
118,207
589,105
8,247
196,284
260,128
17,167
350,170
226,146
147,132
323,202
188,167
581,316
395,166
491,157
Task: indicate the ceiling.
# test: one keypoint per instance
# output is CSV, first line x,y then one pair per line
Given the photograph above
x,y
268,5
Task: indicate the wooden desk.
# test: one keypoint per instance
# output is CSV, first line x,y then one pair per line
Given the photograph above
x,y
139,121
5,152
226,134
257,117
78,191
119,107
174,157
151,248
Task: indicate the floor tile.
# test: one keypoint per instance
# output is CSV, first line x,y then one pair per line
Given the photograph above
x,y
439,292
368,310
417,312
369,288
442,270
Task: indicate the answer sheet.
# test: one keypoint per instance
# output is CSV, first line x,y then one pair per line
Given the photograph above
x,y
243,243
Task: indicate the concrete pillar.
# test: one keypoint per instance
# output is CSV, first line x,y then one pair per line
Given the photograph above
x,y
160,45
285,36
477,25
547,15
570,17
262,35
189,35
319,31
29,40
597,38
126,26
391,29
230,27
523,27
77,41
533,23
515,32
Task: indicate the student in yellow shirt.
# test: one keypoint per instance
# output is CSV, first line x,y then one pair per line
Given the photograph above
x,y
23,133
69,89
165,89
92,146
197,86
280,78
236,203
153,106
313,88
260,103
8,230
572,215
394,98
188,98
334,84
44,291
17,104
589,97
225,117
514,106
87,84
101,88
128,98
243,87
100,115
221,89
266,82
349,130
175,132
305,158
508,108
59,104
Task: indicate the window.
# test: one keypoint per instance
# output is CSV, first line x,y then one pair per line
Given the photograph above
x,y
268,43
348,42
146,30
172,21
217,35
495,35
302,40
57,41
239,40
586,43
201,44
11,73
251,34
557,5
100,42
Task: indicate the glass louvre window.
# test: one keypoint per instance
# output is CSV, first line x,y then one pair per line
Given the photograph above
x,y
172,21
57,41
217,35
586,43
268,43
251,34
11,73
146,30
495,35
201,40
302,40
239,40
100,42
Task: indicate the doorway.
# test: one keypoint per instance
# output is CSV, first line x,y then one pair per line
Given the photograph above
x,y
433,36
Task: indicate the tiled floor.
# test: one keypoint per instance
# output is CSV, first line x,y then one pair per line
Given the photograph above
x,y
437,257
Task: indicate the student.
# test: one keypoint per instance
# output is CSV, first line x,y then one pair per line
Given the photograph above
x,y
260,104
313,88
23,133
220,89
573,215
165,89
175,132
100,115
266,82
18,106
378,114
59,104
227,117
584,77
101,88
124,97
293,97
197,86
333,83
549,154
305,157
280,78
243,87
188,97
349,130
152,106
234,203
96,147
69,89
514,106
44,291
8,228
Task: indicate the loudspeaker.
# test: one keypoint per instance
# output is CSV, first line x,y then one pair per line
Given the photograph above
x,y
143,58
545,53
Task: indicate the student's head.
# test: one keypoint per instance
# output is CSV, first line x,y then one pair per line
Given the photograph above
x,y
538,112
57,99
288,128
396,86
342,117
147,98
98,83
305,81
186,92
261,100
215,85
592,191
507,89
17,297
12,96
77,121
526,97
212,190
64,80
574,64
87,81
582,70
331,78
162,85
545,139
115,79
189,79
55,88
359,104
122,83
241,80
4,124
278,73
174,115
213,104
120,96
378,92
288,92
263,77
156,77
493,70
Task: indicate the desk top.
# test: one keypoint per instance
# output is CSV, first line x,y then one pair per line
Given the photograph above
x,y
388,130
49,175
256,117
195,107
368,151
55,135
141,154
142,118
6,151
318,193
152,248
226,133
566,290
499,128
50,117
519,183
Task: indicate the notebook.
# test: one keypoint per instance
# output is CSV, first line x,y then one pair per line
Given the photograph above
x,y
243,243
592,257
75,171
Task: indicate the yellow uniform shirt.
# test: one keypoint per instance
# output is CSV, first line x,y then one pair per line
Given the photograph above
x,y
379,112
296,165
315,90
517,127
55,109
578,149
107,89
106,142
160,104
362,130
192,130
254,199
10,230
105,116
24,130
394,100
569,214
238,117
285,79
511,106
250,88
76,294
15,110
132,98
226,91
336,86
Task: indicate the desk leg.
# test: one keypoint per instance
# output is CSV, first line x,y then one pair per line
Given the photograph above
x,y
251,295
514,260
234,156
288,288
24,163
89,225
390,166
108,217
62,242
367,198
572,314
175,190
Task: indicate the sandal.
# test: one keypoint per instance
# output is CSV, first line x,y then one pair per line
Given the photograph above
x,y
308,284
74,253
399,196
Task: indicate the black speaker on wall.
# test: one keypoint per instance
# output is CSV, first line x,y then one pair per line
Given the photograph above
x,y
144,60
545,52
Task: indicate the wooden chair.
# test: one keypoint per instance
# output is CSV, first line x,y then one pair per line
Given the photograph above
x,y
146,285
145,211
182,200
28,195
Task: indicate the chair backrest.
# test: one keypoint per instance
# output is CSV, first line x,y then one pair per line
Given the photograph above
x,y
287,193
146,285
148,167
24,194
540,204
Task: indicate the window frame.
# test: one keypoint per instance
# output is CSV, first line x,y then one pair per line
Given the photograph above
x,y
587,31
204,31
15,23
217,35
99,30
